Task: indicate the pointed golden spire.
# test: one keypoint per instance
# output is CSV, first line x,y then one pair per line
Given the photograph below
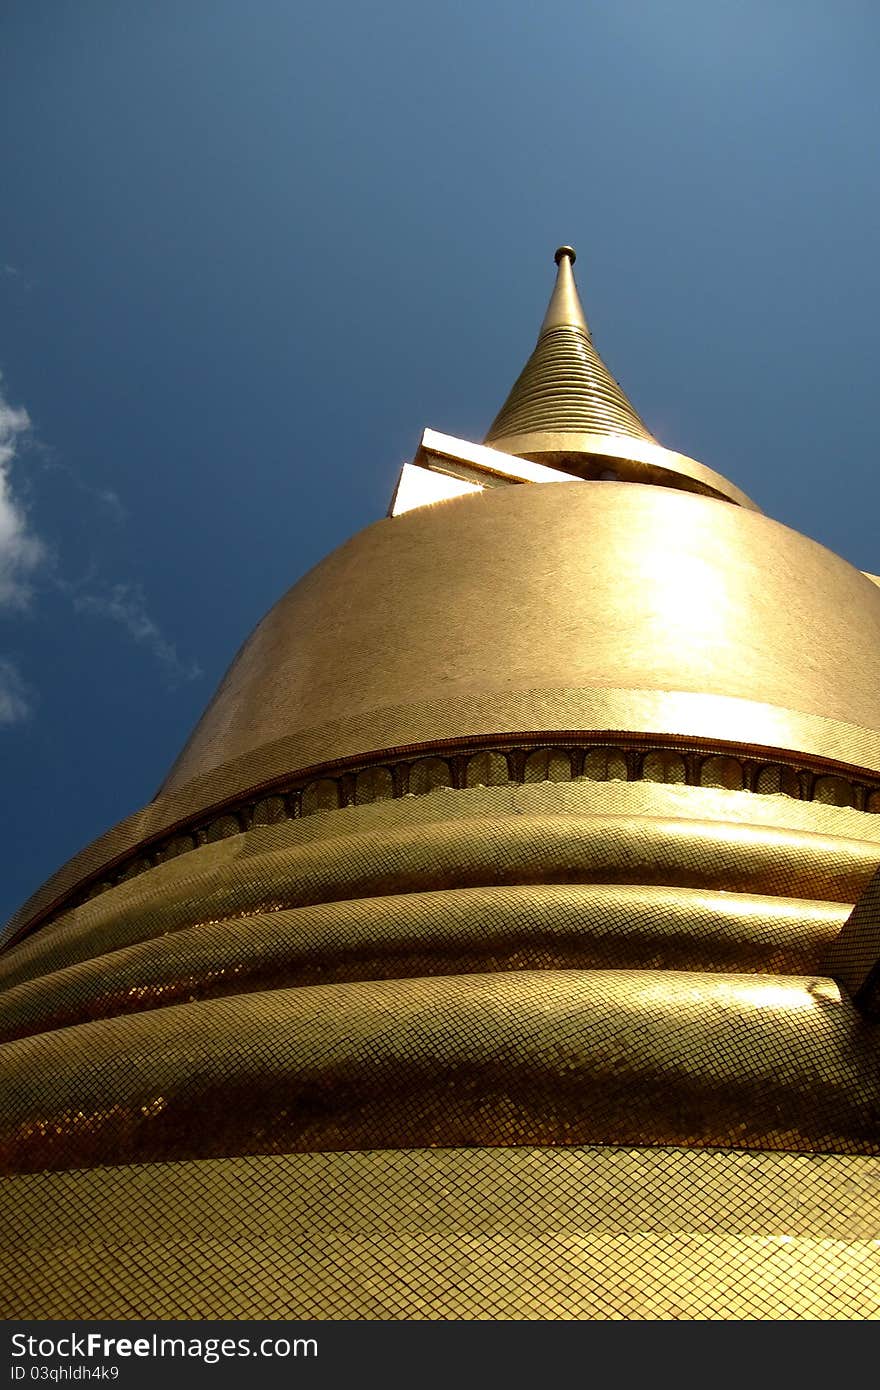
x,y
565,309
567,412
565,389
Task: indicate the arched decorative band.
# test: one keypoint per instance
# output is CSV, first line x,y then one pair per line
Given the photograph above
x,y
497,764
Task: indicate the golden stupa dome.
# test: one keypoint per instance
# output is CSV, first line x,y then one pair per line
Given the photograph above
x,y
493,933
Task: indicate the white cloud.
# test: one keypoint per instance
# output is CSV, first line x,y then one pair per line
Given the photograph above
x,y
112,503
109,501
22,553
20,550
125,604
15,277
15,697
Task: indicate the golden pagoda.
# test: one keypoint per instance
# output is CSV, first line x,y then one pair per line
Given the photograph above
x,y
490,950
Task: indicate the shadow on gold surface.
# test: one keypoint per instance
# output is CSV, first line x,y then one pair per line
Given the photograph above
x,y
533,1057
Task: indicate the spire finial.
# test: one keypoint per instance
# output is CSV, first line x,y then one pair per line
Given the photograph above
x,y
564,309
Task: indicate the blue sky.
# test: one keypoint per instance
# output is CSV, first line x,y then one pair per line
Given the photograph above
x,y
249,251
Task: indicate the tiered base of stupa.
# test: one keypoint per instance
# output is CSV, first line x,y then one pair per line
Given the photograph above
x,y
550,1050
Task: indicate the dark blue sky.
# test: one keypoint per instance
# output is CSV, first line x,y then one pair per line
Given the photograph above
x,y
250,250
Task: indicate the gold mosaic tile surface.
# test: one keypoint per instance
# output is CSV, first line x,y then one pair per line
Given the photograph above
x,y
459,931
546,1057
438,1234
